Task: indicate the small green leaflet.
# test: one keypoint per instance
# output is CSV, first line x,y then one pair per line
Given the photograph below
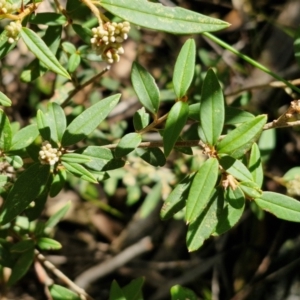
x,y
5,132
4,100
127,144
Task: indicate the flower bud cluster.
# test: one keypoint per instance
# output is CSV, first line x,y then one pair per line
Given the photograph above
x,y
7,8
108,38
49,155
13,31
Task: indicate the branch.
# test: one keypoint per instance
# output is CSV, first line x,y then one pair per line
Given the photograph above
x,y
114,263
81,292
82,86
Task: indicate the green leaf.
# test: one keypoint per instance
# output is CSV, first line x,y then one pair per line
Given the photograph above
x,y
127,144
153,156
84,33
116,292
232,211
236,168
181,293
151,201
184,68
292,174
24,137
68,47
203,226
74,62
79,171
267,144
234,115
297,46
45,243
88,121
54,219
212,109
133,290
283,207
163,18
141,119
35,69
177,199
43,125
38,47
3,180
145,87
33,212
15,161
58,182
75,158
4,100
250,189
48,18
57,121
201,189
22,246
176,120
5,132
21,266
61,293
255,165
237,142
27,187
102,159
5,46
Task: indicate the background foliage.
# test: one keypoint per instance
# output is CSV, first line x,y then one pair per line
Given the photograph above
x,y
154,177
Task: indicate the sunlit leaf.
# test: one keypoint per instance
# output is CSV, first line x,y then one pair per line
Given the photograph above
x,y
4,100
255,165
201,189
212,108
184,68
283,207
156,16
38,47
145,87
24,137
88,121
237,142
181,293
127,144
61,293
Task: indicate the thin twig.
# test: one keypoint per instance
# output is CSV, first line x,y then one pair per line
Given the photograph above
x,y
156,144
275,84
82,86
108,266
274,124
81,292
